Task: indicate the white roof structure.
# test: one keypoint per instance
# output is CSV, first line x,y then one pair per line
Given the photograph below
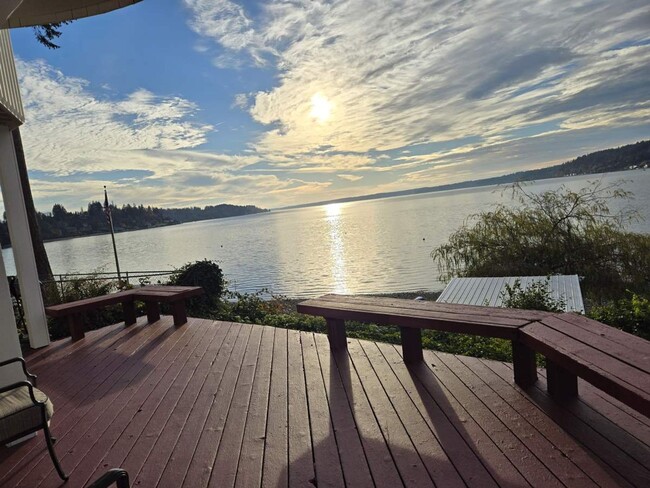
x,y
25,13
489,291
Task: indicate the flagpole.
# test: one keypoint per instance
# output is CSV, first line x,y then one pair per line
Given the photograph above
x,y
109,216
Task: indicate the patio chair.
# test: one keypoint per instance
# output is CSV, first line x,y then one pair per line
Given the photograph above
x,y
25,410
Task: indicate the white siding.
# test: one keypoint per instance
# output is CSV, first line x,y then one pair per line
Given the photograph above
x,y
11,107
489,291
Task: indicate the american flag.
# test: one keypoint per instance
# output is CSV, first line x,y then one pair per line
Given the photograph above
x,y
107,207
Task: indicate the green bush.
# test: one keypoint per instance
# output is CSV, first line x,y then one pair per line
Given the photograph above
x,y
631,314
208,275
537,296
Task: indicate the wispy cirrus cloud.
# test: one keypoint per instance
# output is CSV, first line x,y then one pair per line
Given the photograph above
x,y
422,72
140,144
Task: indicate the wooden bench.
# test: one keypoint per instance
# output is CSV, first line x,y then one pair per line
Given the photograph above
x,y
614,361
412,316
152,296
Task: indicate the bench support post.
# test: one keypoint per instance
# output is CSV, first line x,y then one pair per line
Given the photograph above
x,y
562,384
153,311
411,344
179,313
76,326
128,310
524,364
336,334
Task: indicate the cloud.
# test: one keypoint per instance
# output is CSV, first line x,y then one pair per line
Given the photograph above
x,y
146,147
419,72
350,177
226,23
69,128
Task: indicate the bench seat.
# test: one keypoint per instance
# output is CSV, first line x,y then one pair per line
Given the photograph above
x,y
575,346
612,360
151,295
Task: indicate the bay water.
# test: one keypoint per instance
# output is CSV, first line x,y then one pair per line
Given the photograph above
x,y
372,246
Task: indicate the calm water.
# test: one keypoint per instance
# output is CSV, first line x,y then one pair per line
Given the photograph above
x,y
373,246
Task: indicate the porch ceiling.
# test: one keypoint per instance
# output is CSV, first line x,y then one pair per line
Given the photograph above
x,y
37,12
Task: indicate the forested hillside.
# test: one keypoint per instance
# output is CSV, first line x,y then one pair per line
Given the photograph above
x,y
61,223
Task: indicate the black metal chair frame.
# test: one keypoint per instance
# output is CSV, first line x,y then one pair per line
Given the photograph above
x,y
30,385
115,475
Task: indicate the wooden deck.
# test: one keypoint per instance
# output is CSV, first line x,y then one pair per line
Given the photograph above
x,y
221,404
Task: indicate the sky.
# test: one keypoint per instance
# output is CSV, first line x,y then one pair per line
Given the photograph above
x,y
178,103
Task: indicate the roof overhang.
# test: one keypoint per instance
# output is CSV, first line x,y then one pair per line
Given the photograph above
x,y
26,13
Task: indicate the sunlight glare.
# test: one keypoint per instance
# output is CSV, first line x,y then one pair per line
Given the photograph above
x,y
321,108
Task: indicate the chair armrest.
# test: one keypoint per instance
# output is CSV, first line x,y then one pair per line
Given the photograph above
x,y
32,377
18,384
115,475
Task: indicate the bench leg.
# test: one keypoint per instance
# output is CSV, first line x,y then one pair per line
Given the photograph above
x,y
562,384
336,334
153,311
524,364
179,313
76,326
128,311
411,344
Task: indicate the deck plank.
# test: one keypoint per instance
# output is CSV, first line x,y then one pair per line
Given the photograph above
x,y
178,464
518,452
127,362
249,470
224,469
519,424
160,454
327,463
301,457
200,468
354,464
404,454
473,471
441,469
566,446
132,409
618,459
276,449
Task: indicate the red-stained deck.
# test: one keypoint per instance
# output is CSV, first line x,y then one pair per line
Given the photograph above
x,y
221,404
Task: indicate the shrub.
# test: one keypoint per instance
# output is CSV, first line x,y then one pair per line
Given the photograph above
x,y
631,314
537,296
208,275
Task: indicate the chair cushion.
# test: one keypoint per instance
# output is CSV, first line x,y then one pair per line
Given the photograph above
x,y
19,415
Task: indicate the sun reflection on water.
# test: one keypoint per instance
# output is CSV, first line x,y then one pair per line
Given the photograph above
x,y
337,247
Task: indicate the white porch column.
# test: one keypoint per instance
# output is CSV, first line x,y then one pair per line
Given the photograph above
x,y
9,343
22,243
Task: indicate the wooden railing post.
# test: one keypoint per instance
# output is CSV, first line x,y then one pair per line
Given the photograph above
x,y
524,364
411,344
336,334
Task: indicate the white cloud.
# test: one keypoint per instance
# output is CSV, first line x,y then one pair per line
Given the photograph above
x,y
350,177
399,74
68,128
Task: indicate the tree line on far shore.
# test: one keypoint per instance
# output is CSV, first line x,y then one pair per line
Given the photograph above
x,y
61,223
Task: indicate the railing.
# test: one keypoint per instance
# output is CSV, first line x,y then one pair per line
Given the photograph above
x,y
126,276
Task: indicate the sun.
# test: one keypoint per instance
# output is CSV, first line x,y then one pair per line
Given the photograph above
x,y
321,108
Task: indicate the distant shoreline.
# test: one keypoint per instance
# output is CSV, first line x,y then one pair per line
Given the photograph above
x,y
624,158
468,185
